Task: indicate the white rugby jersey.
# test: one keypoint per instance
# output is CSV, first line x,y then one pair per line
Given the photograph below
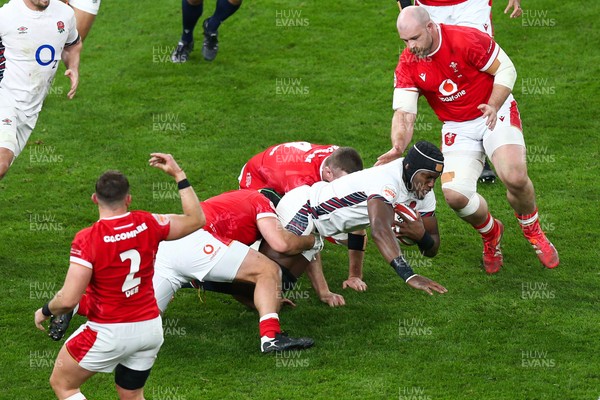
x,y
31,44
341,205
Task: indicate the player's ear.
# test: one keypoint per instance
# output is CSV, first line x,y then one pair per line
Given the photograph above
x,y
327,173
94,198
128,200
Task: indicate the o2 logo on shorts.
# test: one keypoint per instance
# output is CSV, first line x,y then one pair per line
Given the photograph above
x,y
44,55
208,249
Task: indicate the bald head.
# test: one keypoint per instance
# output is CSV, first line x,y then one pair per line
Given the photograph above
x,y
411,18
417,30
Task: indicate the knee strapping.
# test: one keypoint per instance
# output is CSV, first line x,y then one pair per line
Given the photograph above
x,y
471,207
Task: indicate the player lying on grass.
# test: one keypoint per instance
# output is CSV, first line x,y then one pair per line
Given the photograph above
x,y
358,200
219,252
286,166
367,198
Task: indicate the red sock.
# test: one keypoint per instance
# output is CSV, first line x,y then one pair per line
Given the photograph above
x,y
489,228
269,325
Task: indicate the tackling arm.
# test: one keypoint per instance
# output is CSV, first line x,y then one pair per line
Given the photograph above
x,y
281,240
403,122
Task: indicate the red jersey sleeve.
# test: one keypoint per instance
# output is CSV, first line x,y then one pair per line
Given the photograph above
x,y
81,249
263,207
403,78
481,49
162,223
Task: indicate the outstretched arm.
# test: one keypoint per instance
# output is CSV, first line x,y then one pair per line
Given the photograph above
x,y
403,123
193,217
315,274
381,217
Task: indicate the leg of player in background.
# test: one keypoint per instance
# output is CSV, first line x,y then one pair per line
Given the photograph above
x,y
510,162
191,11
487,175
224,10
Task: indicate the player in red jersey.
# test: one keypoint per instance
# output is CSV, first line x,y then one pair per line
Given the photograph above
x,y
467,79
220,253
218,257
114,260
286,166
474,13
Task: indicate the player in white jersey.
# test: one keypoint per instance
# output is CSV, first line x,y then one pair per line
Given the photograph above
x,y
367,198
85,14
34,36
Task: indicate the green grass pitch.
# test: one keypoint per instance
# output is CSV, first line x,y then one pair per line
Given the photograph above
x,y
319,71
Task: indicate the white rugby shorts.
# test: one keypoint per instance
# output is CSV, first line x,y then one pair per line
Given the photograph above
x,y
15,126
101,347
198,255
89,6
474,13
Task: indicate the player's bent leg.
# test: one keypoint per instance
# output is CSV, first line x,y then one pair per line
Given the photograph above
x,y
459,185
67,376
266,275
512,170
509,161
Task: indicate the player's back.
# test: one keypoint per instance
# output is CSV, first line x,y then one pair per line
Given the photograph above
x,y
234,215
121,252
286,166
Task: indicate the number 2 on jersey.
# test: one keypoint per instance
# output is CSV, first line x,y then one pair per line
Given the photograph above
x,y
130,286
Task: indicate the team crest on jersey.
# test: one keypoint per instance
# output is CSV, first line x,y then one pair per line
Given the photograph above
x,y
162,219
449,138
60,26
22,30
389,192
6,121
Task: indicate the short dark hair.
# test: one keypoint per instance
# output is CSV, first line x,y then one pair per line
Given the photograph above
x,y
112,187
345,158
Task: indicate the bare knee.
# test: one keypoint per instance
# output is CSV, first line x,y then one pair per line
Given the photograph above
x,y
515,180
4,166
455,200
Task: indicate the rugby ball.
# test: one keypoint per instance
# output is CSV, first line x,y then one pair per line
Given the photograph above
x,y
404,213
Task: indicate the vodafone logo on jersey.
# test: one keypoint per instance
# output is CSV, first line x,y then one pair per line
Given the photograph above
x,y
448,87
208,249
449,91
